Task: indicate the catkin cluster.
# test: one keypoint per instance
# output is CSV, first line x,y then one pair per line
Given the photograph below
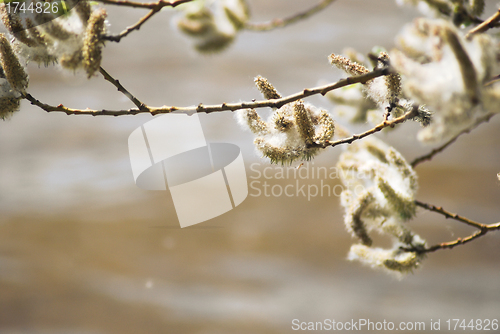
x,y
448,73
213,24
295,131
461,12
384,91
13,79
379,195
374,99
72,40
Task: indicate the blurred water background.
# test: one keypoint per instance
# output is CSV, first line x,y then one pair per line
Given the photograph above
x,y
83,250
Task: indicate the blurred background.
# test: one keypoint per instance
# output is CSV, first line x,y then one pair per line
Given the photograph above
x,y
83,250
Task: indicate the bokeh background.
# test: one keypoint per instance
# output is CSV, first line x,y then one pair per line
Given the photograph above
x,y
83,250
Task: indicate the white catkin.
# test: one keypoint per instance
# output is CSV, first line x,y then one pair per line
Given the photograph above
x,y
380,188
432,71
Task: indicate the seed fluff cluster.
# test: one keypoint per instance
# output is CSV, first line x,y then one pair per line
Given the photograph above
x,y
373,99
13,79
379,194
72,40
462,12
449,74
213,23
293,132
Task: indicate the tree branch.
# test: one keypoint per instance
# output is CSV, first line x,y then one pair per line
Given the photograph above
x,y
154,6
441,148
122,89
128,30
273,103
412,113
280,23
482,230
448,214
147,5
491,22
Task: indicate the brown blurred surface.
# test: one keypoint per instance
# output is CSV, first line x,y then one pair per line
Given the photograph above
x,y
83,250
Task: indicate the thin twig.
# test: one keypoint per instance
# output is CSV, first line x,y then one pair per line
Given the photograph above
x,y
448,214
461,241
482,230
128,30
122,89
154,6
70,111
441,148
492,81
147,5
491,22
412,113
273,103
279,23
